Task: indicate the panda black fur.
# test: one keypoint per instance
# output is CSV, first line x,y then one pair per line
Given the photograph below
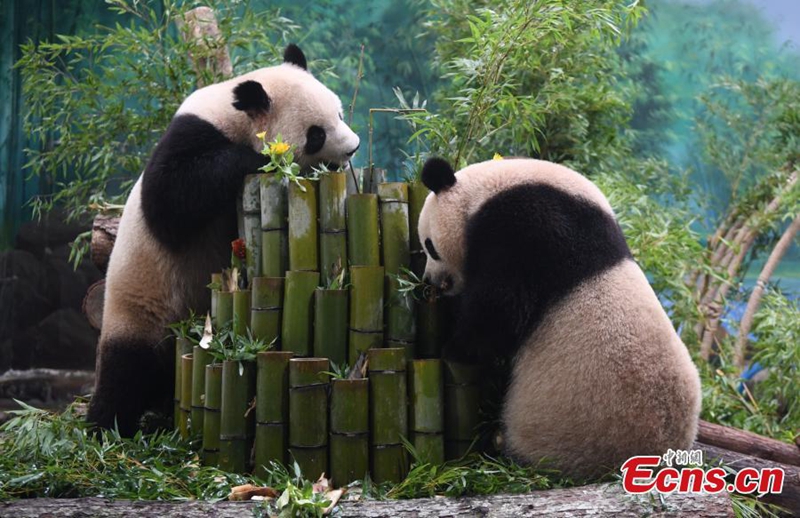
x,y
180,219
546,280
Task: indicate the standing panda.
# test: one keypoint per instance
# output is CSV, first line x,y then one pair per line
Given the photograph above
x,y
180,219
546,280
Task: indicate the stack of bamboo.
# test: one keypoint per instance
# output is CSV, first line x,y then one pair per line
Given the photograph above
x,y
322,286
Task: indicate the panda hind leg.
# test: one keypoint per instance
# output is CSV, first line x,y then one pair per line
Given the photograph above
x,y
132,376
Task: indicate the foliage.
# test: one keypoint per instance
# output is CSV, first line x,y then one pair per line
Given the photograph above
x,y
229,346
298,497
281,160
98,102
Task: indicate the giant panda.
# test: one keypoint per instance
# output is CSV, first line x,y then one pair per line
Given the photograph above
x,y
545,279
180,218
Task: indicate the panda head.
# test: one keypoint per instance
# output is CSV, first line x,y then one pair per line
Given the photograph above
x,y
283,100
445,219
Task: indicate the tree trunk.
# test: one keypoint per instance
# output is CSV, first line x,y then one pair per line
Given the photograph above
x,y
748,443
784,243
594,500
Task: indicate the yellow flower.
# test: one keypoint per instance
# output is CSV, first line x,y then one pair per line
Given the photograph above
x,y
262,135
497,156
278,148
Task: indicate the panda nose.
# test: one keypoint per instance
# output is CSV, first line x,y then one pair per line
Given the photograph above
x,y
353,152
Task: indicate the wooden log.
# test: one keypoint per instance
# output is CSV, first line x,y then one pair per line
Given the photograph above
x,y
584,501
104,234
748,443
93,303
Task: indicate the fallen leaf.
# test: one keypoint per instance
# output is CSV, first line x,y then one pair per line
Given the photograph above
x,y
248,491
208,333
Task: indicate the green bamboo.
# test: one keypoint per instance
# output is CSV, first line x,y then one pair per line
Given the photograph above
x,y
251,212
388,413
216,279
200,358
366,310
241,312
186,394
272,409
417,192
213,402
462,400
330,325
237,425
426,418
224,308
266,308
274,213
182,346
432,328
363,245
396,256
303,246
333,225
349,439
298,313
308,415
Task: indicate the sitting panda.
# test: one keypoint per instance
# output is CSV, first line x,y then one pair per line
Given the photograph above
x,y
180,219
547,281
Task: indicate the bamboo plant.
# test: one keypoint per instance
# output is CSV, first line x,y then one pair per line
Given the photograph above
x,y
388,413
363,244
186,395
211,417
417,192
237,425
330,320
251,224
272,409
308,414
298,313
366,310
266,308
333,224
303,244
349,437
200,358
462,400
426,416
274,227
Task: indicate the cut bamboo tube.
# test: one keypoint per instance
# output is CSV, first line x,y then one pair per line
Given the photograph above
x,y
186,394
224,308
266,308
349,441
272,409
388,413
431,327
213,402
308,415
298,312
241,312
237,425
462,401
363,245
251,211
400,328
274,240
303,250
426,418
333,225
200,358
417,192
366,310
182,346
216,280
330,325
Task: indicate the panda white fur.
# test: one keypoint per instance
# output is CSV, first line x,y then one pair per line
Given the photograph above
x,y
546,279
180,219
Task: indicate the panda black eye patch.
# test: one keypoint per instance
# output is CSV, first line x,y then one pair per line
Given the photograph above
x,y
315,139
431,250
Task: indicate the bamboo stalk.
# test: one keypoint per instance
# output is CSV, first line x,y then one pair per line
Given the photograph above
x,y
330,325
388,413
186,394
349,439
272,409
303,247
426,418
298,314
266,308
182,346
237,425
462,400
224,308
308,415
241,312
251,212
200,358
396,255
333,225
274,239
417,193
216,279
213,403
431,326
363,245
366,310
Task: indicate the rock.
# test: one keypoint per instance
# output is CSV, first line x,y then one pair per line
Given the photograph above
x,y
52,230
63,340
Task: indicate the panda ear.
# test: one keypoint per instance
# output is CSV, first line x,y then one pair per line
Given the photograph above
x,y
295,56
438,175
249,96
